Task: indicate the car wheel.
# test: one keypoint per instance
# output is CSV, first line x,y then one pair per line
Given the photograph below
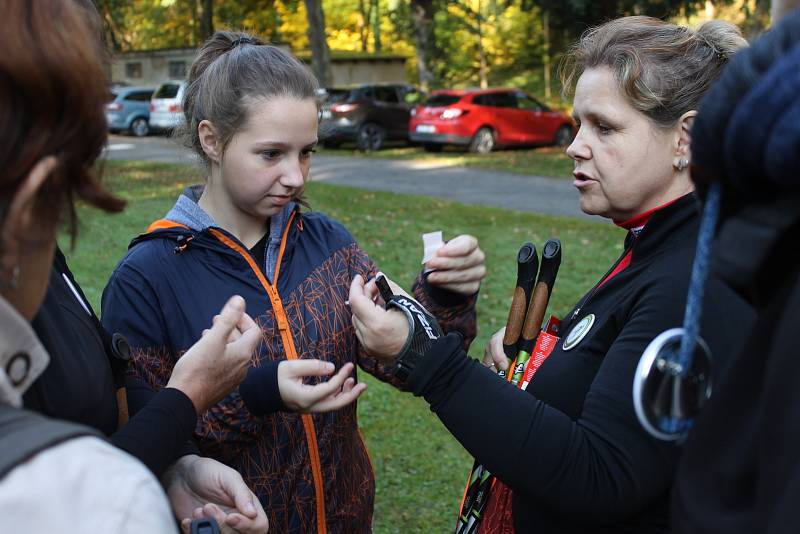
x,y
483,141
139,127
563,137
370,137
432,147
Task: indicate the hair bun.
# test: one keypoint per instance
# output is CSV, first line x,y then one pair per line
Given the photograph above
x,y
217,45
724,38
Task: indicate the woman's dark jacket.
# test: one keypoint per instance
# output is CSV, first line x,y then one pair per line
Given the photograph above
x,y
78,384
570,446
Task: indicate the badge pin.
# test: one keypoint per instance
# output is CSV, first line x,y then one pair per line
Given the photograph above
x,y
579,332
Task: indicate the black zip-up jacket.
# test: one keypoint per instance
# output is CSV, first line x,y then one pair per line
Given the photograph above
x,y
78,385
570,446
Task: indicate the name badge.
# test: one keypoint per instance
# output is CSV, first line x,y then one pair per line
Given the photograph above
x,y
579,332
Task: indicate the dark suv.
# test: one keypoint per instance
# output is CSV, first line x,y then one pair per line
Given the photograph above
x,y
367,114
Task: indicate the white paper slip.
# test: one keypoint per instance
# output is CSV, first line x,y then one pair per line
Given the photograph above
x,y
431,242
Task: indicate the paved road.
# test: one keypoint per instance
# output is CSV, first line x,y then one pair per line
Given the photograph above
x,y
423,177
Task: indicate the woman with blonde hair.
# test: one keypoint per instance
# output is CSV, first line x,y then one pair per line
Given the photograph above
x,y
570,449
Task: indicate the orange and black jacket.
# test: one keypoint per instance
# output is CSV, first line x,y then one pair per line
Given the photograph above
x,y
312,473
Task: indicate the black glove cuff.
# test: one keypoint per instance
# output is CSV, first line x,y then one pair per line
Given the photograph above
x,y
422,329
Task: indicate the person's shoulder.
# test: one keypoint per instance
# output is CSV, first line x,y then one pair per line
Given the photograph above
x,y
323,226
671,265
147,254
94,486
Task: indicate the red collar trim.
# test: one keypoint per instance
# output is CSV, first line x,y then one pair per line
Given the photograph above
x,y
640,220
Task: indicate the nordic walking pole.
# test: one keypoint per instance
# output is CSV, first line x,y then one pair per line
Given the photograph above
x,y
527,267
551,261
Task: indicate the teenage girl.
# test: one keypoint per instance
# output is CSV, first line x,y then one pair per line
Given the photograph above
x,y
252,115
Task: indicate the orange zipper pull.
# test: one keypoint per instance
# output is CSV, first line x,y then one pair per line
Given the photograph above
x,y
277,308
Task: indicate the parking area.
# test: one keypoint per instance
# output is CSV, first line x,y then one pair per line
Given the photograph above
x,y
431,176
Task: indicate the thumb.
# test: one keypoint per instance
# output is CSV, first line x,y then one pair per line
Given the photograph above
x,y
300,368
239,493
228,318
251,334
360,304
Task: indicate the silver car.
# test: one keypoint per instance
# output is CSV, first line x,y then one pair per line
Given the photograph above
x,y
129,110
166,109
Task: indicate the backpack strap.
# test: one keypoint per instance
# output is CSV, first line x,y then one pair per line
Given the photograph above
x,y
23,434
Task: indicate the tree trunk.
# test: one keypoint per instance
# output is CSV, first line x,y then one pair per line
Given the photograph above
x,y
114,36
422,22
364,23
206,19
546,58
196,40
376,25
481,52
320,53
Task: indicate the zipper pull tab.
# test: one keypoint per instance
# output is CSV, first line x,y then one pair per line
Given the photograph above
x,y
277,309
283,324
183,242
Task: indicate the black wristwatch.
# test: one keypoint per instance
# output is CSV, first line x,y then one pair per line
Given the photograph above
x,y
422,329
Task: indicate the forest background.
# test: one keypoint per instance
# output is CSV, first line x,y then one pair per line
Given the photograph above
x,y
448,43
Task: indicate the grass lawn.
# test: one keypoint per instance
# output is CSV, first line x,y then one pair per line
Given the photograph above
x,y
420,468
544,161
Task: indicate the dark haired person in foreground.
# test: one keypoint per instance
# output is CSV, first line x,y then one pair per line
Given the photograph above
x,y
52,89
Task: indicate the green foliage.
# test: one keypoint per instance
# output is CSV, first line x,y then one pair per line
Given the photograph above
x,y
420,469
510,32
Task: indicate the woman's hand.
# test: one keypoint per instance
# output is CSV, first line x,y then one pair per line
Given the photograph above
x,y
382,333
336,393
494,356
459,266
200,487
217,363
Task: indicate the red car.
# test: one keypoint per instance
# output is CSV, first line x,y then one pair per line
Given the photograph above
x,y
482,119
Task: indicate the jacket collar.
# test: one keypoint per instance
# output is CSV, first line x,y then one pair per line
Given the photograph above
x,y
22,355
666,224
637,224
187,212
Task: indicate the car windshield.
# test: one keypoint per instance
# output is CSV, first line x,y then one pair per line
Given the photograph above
x,y
168,90
442,100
